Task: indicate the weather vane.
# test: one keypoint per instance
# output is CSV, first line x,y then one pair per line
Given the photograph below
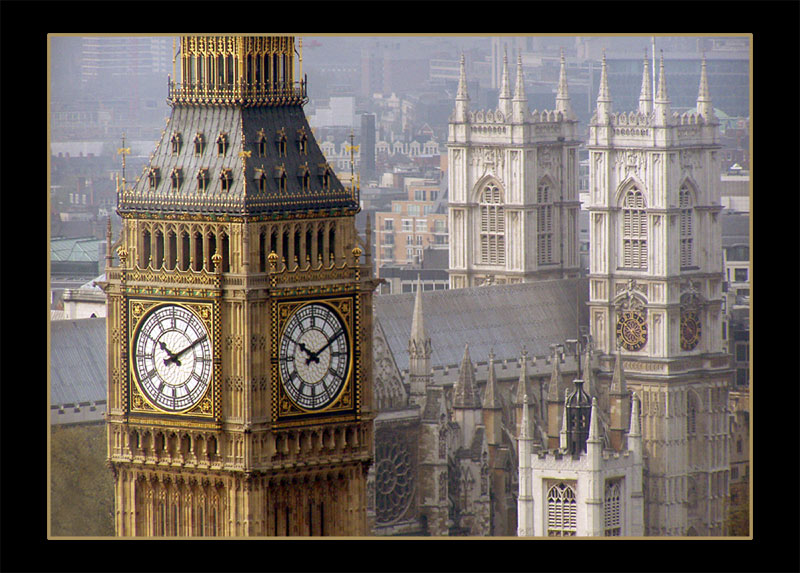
x,y
352,149
123,151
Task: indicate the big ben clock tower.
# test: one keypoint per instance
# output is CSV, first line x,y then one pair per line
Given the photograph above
x,y
240,315
656,295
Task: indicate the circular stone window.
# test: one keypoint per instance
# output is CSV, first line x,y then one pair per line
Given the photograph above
x,y
394,480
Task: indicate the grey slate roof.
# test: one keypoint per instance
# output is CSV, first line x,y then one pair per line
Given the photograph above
x,y
242,126
503,317
78,361
83,249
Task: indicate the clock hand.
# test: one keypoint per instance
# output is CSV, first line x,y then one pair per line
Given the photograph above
x,y
174,358
315,355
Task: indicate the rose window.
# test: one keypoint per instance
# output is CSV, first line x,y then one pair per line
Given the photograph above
x,y
394,480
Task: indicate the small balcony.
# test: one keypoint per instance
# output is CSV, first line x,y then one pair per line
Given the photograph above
x,y
205,93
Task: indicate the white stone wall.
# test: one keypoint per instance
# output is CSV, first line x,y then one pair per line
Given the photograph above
x,y
589,479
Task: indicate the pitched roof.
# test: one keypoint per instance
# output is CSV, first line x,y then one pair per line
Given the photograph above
x,y
83,249
78,361
244,127
503,317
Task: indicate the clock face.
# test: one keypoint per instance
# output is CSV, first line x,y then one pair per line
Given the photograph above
x,y
690,330
314,356
172,358
632,330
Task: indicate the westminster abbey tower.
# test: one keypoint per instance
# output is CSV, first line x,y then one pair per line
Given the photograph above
x,y
513,188
655,294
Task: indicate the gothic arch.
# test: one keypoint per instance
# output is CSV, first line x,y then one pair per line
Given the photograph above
x,y
691,392
694,189
546,179
630,182
490,224
483,183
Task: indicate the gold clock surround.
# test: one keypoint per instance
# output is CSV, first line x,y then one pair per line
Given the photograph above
x,y
691,330
242,467
138,401
631,330
347,403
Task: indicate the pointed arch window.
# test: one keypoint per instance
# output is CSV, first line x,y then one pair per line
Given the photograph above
x,y
262,142
634,230
492,226
176,178
305,177
562,510
199,143
202,179
225,179
261,179
325,176
687,223
612,503
280,176
544,224
280,141
176,141
302,141
153,177
222,144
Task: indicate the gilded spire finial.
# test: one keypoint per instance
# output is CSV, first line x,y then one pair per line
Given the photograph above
x,y
123,151
300,57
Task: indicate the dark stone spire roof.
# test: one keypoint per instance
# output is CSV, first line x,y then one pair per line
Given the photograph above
x,y
491,400
247,161
466,389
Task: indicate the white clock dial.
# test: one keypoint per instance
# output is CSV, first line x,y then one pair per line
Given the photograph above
x,y
172,358
314,356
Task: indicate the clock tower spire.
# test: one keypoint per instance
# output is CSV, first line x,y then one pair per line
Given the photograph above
x,y
240,315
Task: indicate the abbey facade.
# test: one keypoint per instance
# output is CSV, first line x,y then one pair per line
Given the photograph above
x,y
640,336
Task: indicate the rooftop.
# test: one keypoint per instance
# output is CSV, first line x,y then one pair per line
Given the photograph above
x,y
501,318
77,361
83,249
